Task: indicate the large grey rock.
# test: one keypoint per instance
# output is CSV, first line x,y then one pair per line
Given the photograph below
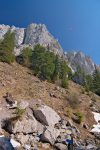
x,y
38,34
34,34
19,33
91,147
80,60
23,139
23,105
26,124
60,146
46,115
50,135
19,36
3,30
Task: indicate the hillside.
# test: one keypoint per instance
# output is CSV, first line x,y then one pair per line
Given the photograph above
x,y
35,34
24,86
41,107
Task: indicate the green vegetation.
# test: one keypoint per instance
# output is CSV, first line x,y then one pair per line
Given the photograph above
x,y
43,62
46,65
19,112
80,117
89,82
26,57
96,82
68,111
92,83
79,76
7,47
73,100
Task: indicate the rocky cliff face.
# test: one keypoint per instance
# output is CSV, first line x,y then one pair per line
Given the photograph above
x,y
38,34
80,60
32,35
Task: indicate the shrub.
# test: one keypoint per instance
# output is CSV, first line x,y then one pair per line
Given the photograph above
x,y
80,117
73,100
68,112
19,112
25,57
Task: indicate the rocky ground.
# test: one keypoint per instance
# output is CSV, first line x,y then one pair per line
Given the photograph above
x,y
38,115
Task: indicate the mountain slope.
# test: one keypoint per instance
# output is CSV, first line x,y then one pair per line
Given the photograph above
x,y
38,34
24,86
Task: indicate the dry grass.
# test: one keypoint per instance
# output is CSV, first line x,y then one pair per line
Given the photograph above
x,y
20,82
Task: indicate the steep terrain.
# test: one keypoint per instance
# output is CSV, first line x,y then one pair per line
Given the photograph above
x,y
32,35
39,115
38,34
24,86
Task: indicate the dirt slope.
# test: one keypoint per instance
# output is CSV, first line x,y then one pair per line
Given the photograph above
x,y
23,85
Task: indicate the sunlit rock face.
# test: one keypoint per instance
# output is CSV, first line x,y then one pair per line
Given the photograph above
x,y
3,30
38,34
34,34
19,33
80,60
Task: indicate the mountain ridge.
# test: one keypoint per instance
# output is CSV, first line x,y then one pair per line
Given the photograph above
x,y
38,34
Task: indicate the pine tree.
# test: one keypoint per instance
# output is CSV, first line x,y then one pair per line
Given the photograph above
x,y
7,47
26,57
96,82
88,84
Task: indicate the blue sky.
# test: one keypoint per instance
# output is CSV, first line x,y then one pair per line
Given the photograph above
x,y
75,23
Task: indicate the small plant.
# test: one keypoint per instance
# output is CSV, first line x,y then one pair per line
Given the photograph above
x,y
36,106
80,117
82,90
68,112
74,100
19,112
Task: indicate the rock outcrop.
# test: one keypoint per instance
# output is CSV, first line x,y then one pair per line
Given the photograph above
x,y
41,124
47,116
34,34
78,60
50,135
3,30
38,34
26,125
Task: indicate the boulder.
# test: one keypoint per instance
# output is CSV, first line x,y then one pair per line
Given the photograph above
x,y
14,143
47,116
60,146
22,138
50,135
23,105
24,125
91,147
